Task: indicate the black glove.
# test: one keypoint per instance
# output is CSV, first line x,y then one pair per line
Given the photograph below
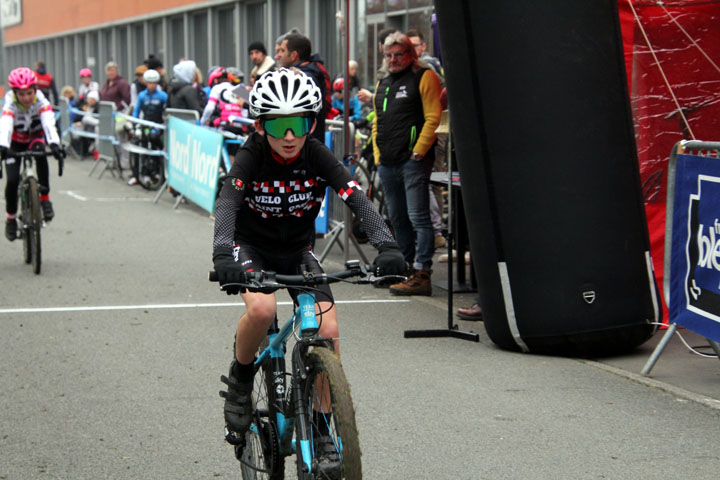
x,y
56,152
3,152
228,270
390,260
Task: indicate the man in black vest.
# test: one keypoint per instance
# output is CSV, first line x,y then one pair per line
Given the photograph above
x,y
407,108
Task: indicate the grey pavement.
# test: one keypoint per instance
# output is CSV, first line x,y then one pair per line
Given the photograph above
x,y
111,361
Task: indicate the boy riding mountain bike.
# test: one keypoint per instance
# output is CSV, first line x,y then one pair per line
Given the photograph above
x,y
265,218
26,122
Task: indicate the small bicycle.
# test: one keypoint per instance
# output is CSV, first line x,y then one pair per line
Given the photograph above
x,y
150,158
30,220
314,397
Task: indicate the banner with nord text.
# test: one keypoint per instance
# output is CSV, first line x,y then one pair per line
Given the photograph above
x,y
695,264
193,159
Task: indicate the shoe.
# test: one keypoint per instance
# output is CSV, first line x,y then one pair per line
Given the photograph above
x,y
440,241
329,464
238,407
47,208
472,314
444,257
418,283
132,181
11,229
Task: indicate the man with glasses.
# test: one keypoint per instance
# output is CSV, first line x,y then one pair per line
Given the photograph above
x,y
407,112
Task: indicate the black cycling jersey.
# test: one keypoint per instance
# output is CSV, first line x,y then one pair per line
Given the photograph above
x,y
271,203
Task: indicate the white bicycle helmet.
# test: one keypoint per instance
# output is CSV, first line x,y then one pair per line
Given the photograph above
x,y
284,92
151,76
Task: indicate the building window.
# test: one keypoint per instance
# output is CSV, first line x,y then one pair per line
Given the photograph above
x,y
227,39
199,40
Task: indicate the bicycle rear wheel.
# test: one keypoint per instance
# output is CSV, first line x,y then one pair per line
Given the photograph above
x,y
331,412
151,172
260,458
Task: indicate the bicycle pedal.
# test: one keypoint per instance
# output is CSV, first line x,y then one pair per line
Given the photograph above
x,y
233,439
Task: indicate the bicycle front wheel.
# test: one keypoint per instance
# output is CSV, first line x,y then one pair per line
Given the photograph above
x,y
330,413
260,458
32,225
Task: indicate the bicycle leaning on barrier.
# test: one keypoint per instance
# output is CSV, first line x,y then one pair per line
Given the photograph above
x,y
312,400
30,219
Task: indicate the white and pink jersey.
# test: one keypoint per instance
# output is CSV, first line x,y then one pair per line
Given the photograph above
x,y
20,124
222,105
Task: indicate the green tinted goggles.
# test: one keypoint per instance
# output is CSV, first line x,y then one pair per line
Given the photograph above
x,y
277,127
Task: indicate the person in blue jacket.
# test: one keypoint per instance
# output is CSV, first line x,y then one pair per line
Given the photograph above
x,y
151,103
338,102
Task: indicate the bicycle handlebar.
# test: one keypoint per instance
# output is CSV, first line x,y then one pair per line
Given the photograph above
x,y
40,153
267,279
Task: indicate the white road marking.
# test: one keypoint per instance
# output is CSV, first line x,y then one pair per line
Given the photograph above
x,y
167,306
83,198
74,195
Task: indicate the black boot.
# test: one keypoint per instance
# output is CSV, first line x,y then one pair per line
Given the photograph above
x,y
238,402
11,229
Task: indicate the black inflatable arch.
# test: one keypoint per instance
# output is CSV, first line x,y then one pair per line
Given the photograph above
x,y
542,128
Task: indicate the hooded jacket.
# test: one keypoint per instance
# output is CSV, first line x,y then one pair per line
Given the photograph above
x,y
181,93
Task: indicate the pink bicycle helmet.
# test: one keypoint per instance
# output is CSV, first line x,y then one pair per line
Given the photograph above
x,y
217,73
21,78
86,72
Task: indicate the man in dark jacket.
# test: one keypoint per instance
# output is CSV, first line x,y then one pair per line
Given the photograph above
x,y
181,93
295,51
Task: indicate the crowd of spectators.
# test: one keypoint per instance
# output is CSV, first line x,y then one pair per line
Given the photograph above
x,y
400,112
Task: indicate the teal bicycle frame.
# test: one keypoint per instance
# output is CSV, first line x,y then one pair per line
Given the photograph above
x,y
304,315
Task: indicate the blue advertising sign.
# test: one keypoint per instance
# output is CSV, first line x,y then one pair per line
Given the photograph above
x,y
322,221
695,265
193,160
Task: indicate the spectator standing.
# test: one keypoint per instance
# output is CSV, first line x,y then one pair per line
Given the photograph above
x,y
436,200
86,85
354,80
418,41
45,82
88,122
154,63
407,108
138,85
150,106
182,93
116,89
338,102
294,51
260,59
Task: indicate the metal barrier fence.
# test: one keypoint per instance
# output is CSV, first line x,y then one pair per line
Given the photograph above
x,y
109,147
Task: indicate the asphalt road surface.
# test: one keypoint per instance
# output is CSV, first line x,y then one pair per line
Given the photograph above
x,y
110,362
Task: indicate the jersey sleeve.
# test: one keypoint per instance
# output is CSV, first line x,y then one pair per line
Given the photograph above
x,y
371,222
7,120
231,198
47,119
432,109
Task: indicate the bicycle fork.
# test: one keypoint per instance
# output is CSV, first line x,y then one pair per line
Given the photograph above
x,y
308,326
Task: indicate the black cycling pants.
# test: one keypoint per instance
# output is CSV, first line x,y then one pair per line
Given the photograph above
x,y
255,259
13,174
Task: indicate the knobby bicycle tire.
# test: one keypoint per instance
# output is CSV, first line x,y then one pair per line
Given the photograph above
x,y
34,225
260,458
25,219
151,172
325,371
